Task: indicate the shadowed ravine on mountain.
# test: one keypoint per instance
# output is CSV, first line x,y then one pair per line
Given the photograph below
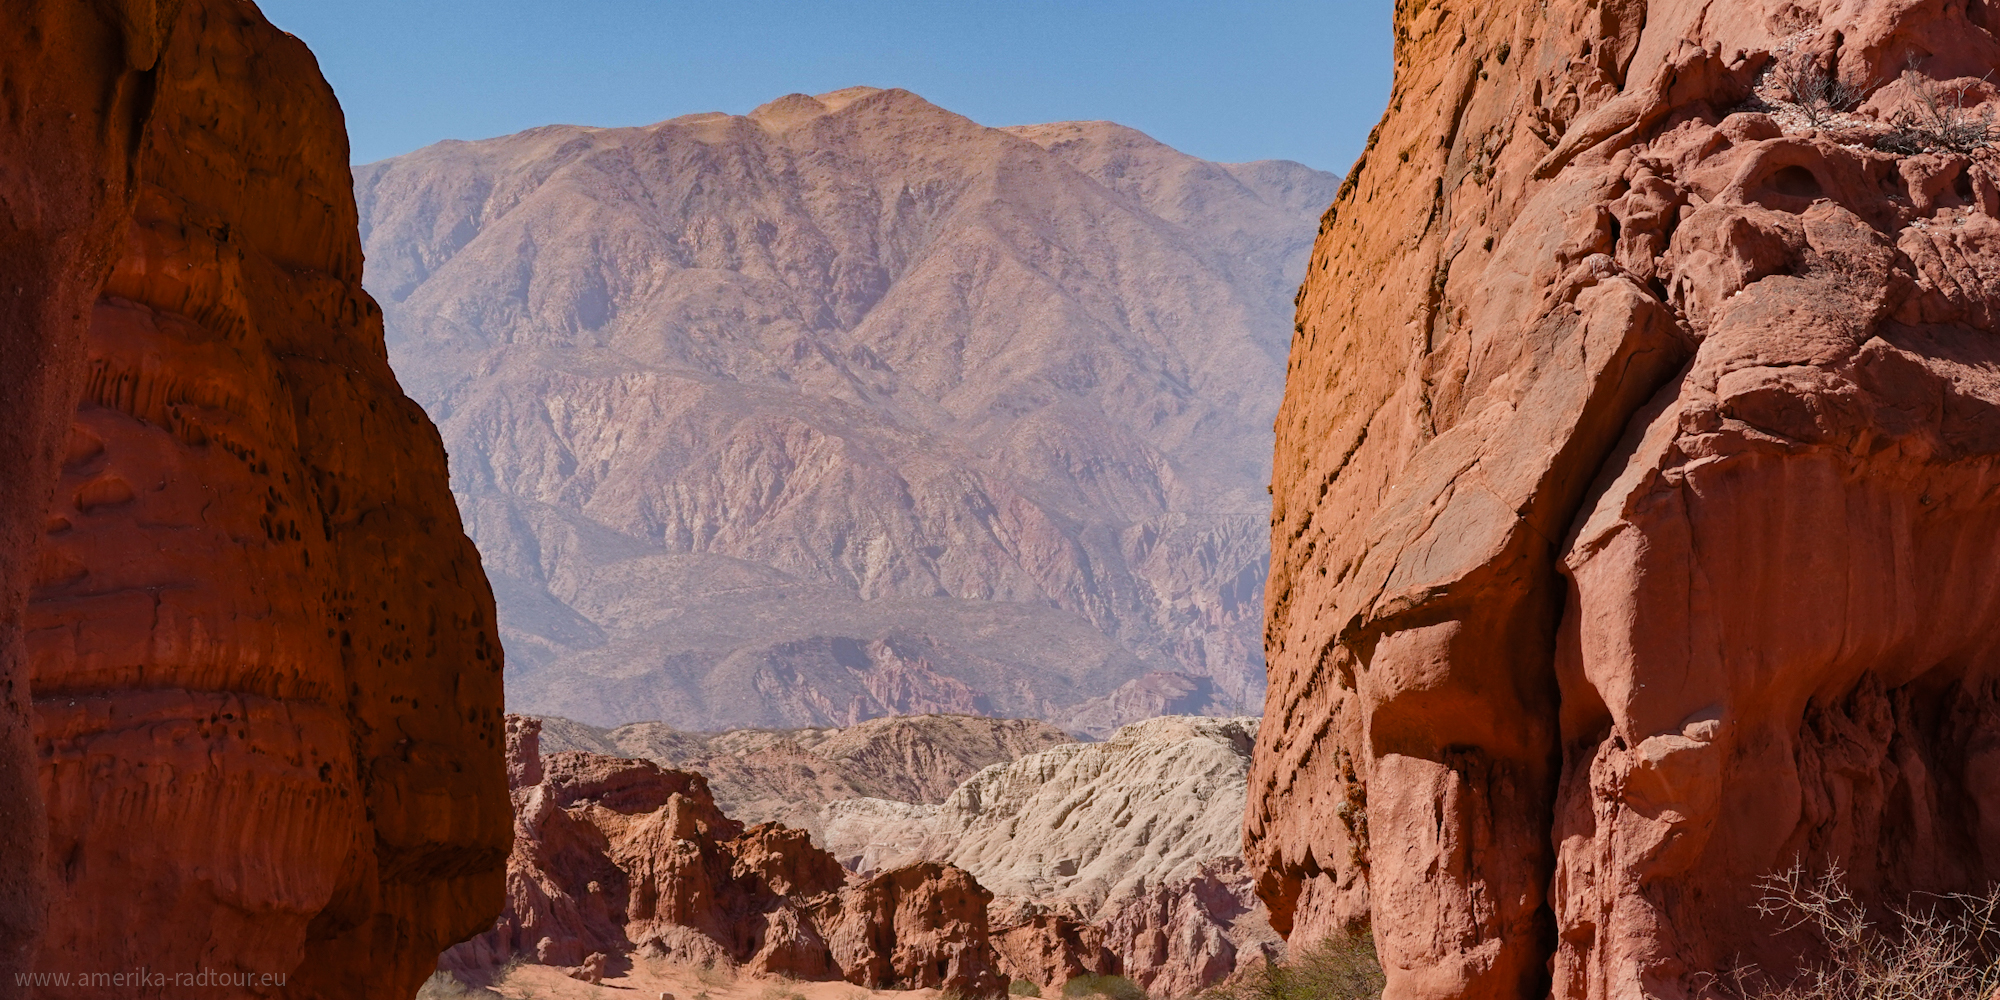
x,y
851,406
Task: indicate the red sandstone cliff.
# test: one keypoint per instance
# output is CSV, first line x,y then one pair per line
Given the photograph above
x,y
1633,496
265,678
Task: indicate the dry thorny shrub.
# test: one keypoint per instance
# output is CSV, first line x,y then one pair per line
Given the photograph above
x,y
1941,121
1816,93
443,985
1932,948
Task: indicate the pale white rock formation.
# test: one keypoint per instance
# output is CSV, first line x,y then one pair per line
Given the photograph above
x,y
876,834
1090,821
1140,835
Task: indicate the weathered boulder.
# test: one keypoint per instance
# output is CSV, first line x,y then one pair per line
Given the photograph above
x,y
1633,483
1049,949
265,677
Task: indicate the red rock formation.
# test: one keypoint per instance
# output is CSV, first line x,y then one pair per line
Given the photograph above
x,y
921,925
1632,488
1180,938
73,77
1049,949
621,856
266,683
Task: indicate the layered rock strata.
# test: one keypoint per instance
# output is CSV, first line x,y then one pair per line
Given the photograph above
x,y
1633,479
263,662
615,857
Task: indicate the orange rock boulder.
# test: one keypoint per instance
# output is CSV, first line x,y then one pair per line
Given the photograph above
x,y
1633,494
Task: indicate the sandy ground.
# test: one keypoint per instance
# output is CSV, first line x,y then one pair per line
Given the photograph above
x,y
647,979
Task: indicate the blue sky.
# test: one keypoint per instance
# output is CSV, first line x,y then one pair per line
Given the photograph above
x,y
1225,81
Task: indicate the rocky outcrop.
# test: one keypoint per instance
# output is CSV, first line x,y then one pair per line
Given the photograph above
x,y
262,655
1049,950
1178,937
1133,840
615,856
1094,820
850,406
1631,485
921,925
798,777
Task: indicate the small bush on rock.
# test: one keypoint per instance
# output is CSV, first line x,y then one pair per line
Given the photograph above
x,y
1818,94
1940,122
1114,987
1338,968
443,985
1023,988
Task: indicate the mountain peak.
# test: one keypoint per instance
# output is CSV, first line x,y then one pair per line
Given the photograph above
x,y
792,110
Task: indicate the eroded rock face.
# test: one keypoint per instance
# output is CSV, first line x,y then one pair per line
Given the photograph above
x,y
615,856
265,676
1631,492
1136,837
1094,820
71,76
1179,937
1049,949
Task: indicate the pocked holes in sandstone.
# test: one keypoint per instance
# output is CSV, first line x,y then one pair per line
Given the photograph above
x,y
108,490
84,446
1795,182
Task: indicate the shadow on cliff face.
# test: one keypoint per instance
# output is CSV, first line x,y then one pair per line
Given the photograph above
x,y
1634,485
253,714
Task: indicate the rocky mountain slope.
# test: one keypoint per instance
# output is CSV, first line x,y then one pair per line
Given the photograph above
x,y
1137,838
265,676
1632,489
850,406
791,776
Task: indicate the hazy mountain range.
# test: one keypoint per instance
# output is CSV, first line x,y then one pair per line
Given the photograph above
x,y
851,406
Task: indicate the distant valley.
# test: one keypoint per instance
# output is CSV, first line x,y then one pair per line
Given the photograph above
x,y
853,407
